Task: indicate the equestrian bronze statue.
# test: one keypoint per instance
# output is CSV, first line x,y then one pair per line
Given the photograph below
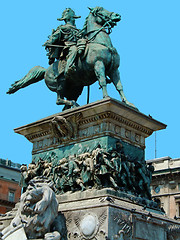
x,y
78,58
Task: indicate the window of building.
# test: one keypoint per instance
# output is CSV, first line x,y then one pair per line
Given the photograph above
x,y
11,196
177,199
177,216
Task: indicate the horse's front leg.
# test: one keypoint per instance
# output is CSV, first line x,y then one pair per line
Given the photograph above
x,y
115,78
99,69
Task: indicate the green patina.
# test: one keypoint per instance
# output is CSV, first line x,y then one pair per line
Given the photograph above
x,y
79,58
97,163
106,143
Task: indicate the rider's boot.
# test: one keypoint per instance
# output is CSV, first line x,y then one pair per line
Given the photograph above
x,y
70,60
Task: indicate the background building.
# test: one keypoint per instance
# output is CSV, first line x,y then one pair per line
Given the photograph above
x,y
10,191
166,184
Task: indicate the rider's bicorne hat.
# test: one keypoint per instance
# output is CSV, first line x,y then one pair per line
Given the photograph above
x,y
68,12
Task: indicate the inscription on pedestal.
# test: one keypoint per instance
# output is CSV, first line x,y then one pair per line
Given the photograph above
x,y
148,231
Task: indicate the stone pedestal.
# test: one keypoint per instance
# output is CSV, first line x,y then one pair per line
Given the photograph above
x,y
106,213
109,215
81,129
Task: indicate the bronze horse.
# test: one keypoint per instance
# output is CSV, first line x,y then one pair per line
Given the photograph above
x,y
99,62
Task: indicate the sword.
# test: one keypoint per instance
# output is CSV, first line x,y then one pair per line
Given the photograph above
x,y
59,46
50,45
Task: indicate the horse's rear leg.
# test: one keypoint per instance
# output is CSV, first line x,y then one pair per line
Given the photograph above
x,y
60,93
61,101
67,103
99,69
115,78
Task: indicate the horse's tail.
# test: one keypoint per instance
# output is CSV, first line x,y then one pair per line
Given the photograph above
x,y
36,74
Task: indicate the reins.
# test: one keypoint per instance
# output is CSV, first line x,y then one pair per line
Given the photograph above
x,y
100,29
106,25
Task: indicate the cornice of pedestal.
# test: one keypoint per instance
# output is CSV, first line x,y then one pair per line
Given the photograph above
x,y
107,117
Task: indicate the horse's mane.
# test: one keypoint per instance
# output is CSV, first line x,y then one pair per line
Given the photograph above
x,y
84,29
94,12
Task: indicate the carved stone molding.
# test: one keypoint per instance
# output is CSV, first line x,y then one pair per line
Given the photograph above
x,y
118,118
42,134
123,220
62,128
107,117
173,232
86,224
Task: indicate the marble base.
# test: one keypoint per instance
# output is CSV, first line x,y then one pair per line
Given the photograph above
x,y
100,214
103,215
107,214
80,129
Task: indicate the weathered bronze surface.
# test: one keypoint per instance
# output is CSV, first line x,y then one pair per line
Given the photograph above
x,y
96,169
79,58
99,145
91,156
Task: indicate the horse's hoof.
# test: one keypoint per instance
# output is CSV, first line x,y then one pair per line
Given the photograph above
x,y
131,105
74,104
66,107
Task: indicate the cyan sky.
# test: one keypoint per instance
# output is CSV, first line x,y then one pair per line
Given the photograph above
x,y
147,39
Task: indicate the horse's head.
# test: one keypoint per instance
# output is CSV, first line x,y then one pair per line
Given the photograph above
x,y
103,16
